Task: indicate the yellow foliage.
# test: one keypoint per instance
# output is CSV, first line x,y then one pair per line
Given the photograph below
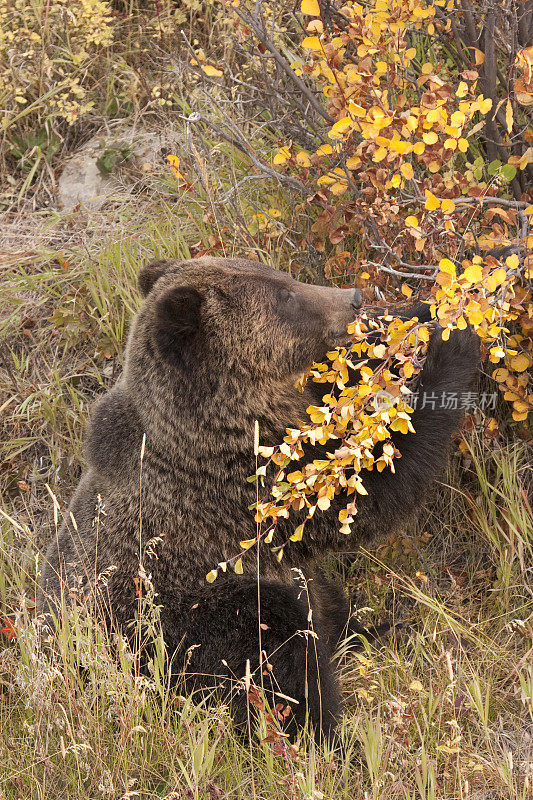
x,y
310,7
32,35
211,71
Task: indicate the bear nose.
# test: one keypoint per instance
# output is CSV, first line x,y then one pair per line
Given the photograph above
x,y
357,299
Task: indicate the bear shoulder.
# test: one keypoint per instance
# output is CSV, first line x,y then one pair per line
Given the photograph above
x,y
114,437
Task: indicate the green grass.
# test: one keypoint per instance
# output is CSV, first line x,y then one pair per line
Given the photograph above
x,y
441,709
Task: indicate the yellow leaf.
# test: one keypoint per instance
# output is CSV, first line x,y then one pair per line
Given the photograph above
x,y
354,162
445,265
479,56
475,317
448,206
528,210
313,26
400,425
340,127
445,334
411,222
520,363
408,369
338,188
457,119
406,290
407,171
174,164
283,156
211,576
298,534
509,116
496,279
237,568
399,146
380,154
356,110
462,89
311,43
512,261
430,137
472,273
213,72
246,543
324,150
432,202
416,686
323,503
500,374
462,144
310,7
303,159
295,477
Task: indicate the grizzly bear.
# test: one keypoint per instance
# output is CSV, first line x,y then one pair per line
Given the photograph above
x,y
217,345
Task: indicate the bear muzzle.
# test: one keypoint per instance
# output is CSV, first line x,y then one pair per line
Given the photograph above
x,y
345,312
357,299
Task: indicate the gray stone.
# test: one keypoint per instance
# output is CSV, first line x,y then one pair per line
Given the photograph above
x,y
83,183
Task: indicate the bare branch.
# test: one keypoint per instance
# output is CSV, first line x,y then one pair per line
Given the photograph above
x,y
260,32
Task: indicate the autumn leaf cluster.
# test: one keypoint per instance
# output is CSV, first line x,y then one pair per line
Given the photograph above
x,y
400,168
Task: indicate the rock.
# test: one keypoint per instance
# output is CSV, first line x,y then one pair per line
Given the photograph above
x,y
82,183
88,178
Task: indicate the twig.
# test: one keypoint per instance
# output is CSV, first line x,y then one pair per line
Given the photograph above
x,y
282,62
239,141
391,271
517,204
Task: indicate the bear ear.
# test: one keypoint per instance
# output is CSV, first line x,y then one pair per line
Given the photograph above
x,y
151,273
178,317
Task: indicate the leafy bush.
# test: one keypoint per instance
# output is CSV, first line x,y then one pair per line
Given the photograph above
x,y
400,177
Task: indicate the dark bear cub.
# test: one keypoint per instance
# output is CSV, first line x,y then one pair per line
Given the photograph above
x,y
216,346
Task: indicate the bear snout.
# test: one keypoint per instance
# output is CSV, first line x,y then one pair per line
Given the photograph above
x,y
342,309
357,299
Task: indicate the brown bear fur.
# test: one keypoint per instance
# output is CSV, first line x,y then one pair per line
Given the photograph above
x,y
216,345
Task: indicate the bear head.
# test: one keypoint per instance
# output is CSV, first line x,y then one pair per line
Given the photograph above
x,y
239,315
